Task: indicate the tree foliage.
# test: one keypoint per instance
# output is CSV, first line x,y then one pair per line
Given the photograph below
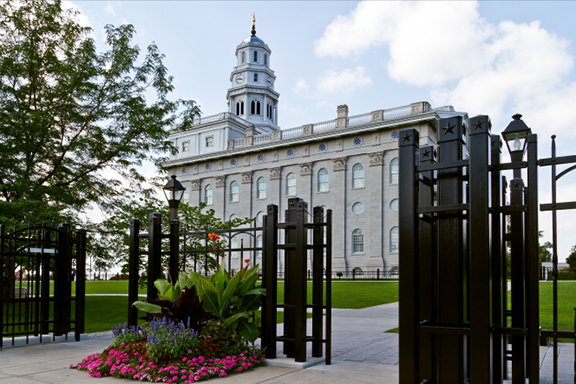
x,y
75,124
571,259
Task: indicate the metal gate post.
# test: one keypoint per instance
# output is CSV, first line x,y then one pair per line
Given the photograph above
x,y
532,294
480,252
154,249
300,283
498,272
290,285
175,250
80,282
61,279
518,286
2,239
408,241
317,283
428,277
133,268
451,274
270,280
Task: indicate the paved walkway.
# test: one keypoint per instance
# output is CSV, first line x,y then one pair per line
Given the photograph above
x,y
361,353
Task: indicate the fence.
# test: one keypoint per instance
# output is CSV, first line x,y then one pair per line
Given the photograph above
x,y
36,288
455,321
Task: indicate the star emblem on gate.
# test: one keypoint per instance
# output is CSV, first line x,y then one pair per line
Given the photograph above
x,y
426,153
449,129
406,136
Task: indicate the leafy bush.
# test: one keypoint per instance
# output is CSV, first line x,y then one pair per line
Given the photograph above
x,y
124,334
216,339
232,300
170,340
564,275
179,303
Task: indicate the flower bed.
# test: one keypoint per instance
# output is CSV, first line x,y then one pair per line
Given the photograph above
x,y
200,327
144,354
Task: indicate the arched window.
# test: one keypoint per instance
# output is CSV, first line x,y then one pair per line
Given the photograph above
x,y
208,195
323,180
243,57
255,55
357,241
257,107
291,185
394,239
259,245
252,107
235,244
234,191
261,186
265,59
255,77
394,171
358,176
241,107
238,108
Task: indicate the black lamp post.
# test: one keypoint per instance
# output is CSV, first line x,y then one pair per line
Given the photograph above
x,y
174,192
515,136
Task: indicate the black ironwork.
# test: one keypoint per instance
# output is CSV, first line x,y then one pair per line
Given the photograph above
x,y
30,258
297,250
454,220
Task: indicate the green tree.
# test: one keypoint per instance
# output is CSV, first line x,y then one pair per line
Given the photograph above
x,y
544,253
76,124
111,244
571,259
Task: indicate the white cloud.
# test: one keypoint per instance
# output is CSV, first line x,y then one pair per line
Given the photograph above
x,y
345,81
465,61
82,18
301,86
109,9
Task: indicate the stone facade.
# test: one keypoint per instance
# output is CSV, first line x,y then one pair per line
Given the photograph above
x,y
346,164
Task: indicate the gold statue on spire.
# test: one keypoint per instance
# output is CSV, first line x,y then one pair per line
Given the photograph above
x,y
253,24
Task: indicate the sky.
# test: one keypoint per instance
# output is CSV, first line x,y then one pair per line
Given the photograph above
x,y
495,58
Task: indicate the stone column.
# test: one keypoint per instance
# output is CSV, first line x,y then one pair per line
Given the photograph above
x,y
304,185
340,233
342,120
195,192
375,207
220,198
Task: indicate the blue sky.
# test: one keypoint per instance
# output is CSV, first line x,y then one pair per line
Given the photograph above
x,y
489,57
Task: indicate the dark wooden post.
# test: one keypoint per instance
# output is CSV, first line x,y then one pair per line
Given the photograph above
x,y
317,282
80,283
452,279
133,269
408,231
270,280
428,277
498,273
175,249
480,252
532,294
154,256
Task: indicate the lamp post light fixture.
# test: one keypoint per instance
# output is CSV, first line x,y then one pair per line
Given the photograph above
x,y
174,192
515,135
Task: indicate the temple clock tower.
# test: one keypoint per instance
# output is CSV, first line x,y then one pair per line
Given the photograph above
x,y
252,95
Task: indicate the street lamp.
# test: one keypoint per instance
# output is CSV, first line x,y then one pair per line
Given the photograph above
x,y
515,135
174,192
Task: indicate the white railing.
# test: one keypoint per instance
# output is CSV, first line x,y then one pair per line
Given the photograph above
x,y
207,119
394,113
444,108
324,126
239,142
360,119
262,138
292,132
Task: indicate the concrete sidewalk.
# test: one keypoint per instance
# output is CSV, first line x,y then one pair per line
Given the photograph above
x,y
360,350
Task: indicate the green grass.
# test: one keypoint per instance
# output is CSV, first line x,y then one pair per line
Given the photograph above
x,y
566,304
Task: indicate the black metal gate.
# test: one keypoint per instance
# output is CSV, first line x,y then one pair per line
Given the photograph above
x,y
456,324
296,249
39,265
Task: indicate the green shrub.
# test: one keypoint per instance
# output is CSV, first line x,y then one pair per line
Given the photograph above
x,y
565,275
